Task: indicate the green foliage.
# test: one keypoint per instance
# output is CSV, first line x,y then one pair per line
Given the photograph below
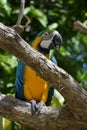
x,y
5,10
57,99
47,15
7,69
6,124
37,14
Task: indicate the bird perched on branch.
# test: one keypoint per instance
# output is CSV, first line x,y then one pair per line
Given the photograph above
x,y
30,86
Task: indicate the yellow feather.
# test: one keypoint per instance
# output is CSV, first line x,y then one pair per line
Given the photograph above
x,y
35,87
36,42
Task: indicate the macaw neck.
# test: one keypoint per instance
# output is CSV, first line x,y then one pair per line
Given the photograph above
x,y
36,45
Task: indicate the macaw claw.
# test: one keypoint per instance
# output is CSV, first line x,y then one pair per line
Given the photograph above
x,y
33,106
36,107
39,107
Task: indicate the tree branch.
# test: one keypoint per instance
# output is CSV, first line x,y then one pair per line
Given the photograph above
x,y
57,119
18,27
75,96
21,12
77,25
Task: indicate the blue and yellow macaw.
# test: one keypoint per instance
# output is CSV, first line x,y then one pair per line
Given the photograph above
x,y
31,87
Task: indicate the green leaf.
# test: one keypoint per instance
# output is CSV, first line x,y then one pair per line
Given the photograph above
x,y
3,2
51,53
6,124
84,38
57,99
26,10
64,52
5,7
84,76
53,26
8,62
38,14
1,123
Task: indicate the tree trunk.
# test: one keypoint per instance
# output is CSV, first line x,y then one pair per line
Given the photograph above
x,y
75,96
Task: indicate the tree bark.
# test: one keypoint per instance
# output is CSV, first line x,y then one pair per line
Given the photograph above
x,y
77,25
75,96
49,118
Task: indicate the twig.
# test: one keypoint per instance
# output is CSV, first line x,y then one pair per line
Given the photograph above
x,y
21,12
18,27
79,26
28,21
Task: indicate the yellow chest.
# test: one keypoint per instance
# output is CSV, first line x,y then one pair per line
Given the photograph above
x,y
34,86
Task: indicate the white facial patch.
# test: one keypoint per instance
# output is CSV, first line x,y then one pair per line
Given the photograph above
x,y
45,43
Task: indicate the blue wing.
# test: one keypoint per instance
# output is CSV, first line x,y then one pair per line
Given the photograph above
x,y
51,89
53,59
19,83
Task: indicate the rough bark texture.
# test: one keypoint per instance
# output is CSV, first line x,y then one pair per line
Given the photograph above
x,y
75,96
49,119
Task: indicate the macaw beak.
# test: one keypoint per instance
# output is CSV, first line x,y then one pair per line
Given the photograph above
x,y
56,41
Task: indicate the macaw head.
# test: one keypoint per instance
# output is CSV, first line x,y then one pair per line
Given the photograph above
x,y
47,41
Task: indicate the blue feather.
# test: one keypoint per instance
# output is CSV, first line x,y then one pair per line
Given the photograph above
x,y
19,83
53,59
51,89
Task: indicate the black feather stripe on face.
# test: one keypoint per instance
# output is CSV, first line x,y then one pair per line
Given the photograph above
x,y
43,50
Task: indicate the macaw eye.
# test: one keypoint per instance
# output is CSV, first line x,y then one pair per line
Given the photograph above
x,y
46,33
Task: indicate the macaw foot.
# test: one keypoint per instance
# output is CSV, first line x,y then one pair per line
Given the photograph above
x,y
36,108
33,106
39,107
